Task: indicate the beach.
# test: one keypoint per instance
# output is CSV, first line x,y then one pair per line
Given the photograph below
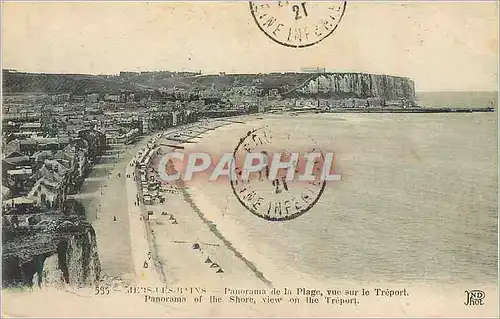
x,y
373,230
439,219
434,259
180,228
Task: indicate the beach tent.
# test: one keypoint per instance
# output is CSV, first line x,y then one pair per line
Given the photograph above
x,y
148,200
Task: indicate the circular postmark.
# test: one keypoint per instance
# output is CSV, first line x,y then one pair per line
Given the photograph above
x,y
298,24
275,198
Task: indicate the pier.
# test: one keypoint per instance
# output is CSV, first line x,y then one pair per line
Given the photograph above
x,y
411,110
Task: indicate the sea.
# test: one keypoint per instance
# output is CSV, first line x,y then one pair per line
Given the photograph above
x,y
417,200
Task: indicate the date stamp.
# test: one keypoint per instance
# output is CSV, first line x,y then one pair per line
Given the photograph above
x,y
298,24
281,187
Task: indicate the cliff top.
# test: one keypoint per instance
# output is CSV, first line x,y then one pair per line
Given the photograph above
x,y
81,84
25,242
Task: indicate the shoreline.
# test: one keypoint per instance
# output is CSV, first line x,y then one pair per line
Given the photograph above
x,y
185,210
229,232
147,265
378,110
412,110
225,227
109,214
175,138
426,299
213,227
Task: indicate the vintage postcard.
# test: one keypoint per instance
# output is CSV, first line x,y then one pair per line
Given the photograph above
x,y
249,159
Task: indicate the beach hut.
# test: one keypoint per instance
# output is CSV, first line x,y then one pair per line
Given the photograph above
x,y
148,200
152,186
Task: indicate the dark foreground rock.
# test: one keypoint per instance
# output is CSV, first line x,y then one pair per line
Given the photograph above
x,y
63,253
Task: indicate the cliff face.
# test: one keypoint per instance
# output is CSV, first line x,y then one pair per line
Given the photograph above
x,y
360,85
58,257
328,85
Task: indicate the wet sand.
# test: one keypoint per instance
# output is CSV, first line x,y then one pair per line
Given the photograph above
x,y
190,248
114,218
199,221
188,218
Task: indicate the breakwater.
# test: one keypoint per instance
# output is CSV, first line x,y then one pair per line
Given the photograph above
x,y
411,110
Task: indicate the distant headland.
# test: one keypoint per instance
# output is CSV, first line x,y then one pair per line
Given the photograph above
x,y
309,89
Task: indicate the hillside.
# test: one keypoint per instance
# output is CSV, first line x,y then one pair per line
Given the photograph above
x,y
327,85
78,84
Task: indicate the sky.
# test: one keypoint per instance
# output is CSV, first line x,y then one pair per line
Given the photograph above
x,y
442,46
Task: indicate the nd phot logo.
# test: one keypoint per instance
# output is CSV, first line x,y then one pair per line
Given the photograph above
x,y
474,297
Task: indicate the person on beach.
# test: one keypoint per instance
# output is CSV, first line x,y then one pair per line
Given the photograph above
x,y
14,221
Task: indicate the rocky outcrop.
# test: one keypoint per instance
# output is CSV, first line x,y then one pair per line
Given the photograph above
x,y
359,85
63,254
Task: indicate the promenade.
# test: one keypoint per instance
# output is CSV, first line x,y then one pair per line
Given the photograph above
x,y
187,245
144,259
103,195
174,245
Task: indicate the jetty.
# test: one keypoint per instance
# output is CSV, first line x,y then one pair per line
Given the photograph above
x,y
172,145
181,140
410,110
233,121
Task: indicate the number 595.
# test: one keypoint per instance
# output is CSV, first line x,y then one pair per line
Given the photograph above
x,y
101,291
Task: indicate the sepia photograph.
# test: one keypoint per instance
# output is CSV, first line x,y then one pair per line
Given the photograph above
x,y
249,159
